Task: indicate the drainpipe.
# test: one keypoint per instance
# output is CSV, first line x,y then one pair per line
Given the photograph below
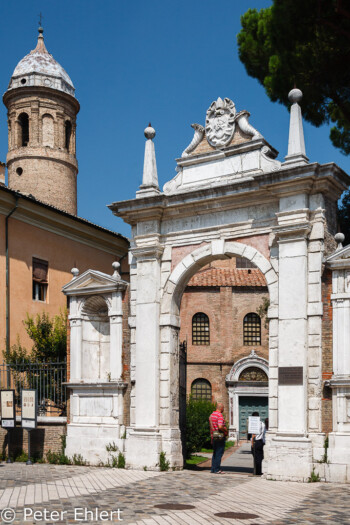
x,y
8,277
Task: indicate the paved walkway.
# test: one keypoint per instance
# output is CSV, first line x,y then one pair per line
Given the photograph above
x,y
240,461
71,494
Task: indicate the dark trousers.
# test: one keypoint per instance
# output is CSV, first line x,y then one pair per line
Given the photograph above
x,y
218,450
258,453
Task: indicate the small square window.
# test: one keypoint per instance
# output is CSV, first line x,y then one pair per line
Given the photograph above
x,y
40,282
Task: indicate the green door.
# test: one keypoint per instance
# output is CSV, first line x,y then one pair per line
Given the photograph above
x,y
248,405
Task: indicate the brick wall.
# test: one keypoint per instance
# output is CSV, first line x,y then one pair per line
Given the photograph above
x,y
327,350
47,436
226,307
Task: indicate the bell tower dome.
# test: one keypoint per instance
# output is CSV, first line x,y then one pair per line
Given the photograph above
x,y
42,111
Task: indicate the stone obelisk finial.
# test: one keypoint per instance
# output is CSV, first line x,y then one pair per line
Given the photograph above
x,y
149,184
296,145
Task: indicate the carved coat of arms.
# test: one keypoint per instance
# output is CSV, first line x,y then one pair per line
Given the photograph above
x,y
220,122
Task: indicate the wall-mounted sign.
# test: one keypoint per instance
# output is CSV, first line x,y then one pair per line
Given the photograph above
x,y
8,408
29,403
290,375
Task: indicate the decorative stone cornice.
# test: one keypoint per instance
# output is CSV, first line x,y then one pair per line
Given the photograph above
x,y
147,252
292,232
338,382
110,385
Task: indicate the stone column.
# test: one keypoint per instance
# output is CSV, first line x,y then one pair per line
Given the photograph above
x,y
339,439
144,443
34,136
75,340
290,454
116,336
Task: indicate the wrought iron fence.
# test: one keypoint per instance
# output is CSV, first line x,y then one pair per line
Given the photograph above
x,y
46,378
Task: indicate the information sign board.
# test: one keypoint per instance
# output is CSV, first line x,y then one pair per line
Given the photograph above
x,y
254,425
29,407
8,408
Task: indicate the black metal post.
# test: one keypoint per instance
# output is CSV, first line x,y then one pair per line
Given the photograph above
x,y
29,462
8,446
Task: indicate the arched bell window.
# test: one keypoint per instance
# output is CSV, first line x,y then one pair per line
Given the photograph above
x,y
252,329
23,121
201,389
200,329
68,134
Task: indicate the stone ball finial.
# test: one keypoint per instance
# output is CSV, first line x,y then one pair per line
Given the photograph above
x,y
295,95
74,272
116,266
150,132
41,30
339,239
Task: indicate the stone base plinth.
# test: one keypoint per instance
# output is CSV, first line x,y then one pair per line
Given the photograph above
x,y
143,448
288,458
91,441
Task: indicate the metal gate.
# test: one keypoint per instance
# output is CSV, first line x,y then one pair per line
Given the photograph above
x,y
182,394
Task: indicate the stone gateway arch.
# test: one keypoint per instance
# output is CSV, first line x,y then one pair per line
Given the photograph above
x,y
231,197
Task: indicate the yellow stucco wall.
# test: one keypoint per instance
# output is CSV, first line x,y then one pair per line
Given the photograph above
x,y
25,242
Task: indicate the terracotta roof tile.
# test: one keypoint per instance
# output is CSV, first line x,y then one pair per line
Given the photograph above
x,y
228,277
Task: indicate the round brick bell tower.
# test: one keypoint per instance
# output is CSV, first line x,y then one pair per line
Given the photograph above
x,y
42,111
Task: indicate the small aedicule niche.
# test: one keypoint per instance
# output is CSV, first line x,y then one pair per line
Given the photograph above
x,y
40,279
96,339
68,134
23,122
19,171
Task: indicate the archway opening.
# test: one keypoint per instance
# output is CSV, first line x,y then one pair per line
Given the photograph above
x,y
223,319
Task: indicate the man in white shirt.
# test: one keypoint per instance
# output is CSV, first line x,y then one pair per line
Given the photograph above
x,y
258,442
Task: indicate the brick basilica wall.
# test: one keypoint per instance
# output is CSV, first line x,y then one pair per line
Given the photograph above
x,y
226,307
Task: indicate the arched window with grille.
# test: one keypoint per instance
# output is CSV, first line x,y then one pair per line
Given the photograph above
x,y
201,389
200,329
252,329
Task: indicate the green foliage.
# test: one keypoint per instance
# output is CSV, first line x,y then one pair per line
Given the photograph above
x,y
344,216
314,478
197,425
78,459
113,460
48,335
112,447
195,460
164,465
306,44
57,458
21,457
16,353
121,460
262,310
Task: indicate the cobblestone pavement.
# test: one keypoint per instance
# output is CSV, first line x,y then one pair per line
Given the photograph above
x,y
59,490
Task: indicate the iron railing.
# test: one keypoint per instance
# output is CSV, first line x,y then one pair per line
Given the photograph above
x,y
46,378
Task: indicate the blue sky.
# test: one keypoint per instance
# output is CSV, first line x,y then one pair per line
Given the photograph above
x,y
133,62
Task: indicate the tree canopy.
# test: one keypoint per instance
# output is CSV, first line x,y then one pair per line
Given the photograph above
x,y
306,44
49,336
